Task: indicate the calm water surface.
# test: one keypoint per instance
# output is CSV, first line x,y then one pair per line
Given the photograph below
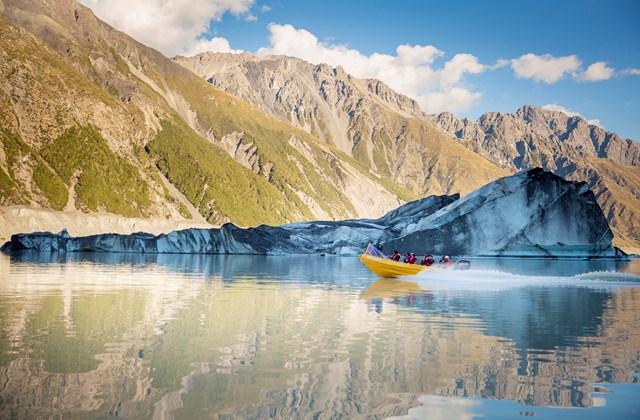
x,y
170,336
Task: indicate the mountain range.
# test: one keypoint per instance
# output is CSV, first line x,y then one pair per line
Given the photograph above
x,y
567,146
313,97
96,122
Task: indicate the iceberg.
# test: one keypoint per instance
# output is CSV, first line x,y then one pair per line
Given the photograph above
x,y
533,213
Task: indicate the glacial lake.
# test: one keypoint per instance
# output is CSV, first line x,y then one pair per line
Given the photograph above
x,y
245,337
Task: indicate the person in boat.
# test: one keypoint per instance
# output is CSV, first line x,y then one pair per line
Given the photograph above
x,y
444,260
395,256
410,258
427,260
379,245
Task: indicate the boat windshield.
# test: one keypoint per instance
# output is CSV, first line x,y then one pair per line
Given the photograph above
x,y
371,250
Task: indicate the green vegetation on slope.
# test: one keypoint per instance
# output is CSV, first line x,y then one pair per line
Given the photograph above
x,y
219,187
105,181
51,185
9,190
316,175
19,154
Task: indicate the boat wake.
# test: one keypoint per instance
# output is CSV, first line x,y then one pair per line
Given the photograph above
x,y
492,280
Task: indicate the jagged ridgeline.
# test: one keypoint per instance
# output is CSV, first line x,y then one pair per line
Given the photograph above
x,y
388,132
363,118
94,121
569,147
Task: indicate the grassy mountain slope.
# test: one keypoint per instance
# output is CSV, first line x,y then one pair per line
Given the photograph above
x,y
93,118
49,145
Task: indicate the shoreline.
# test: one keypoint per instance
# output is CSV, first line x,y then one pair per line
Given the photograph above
x,y
24,219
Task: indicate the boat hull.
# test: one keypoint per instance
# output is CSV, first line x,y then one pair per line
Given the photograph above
x,y
389,268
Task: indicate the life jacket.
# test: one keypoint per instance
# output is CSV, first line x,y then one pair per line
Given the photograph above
x,y
427,261
412,259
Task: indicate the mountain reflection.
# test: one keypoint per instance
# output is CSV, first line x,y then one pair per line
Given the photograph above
x,y
186,336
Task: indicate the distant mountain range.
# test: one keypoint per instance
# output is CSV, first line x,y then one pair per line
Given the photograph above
x,y
348,111
567,146
385,131
94,121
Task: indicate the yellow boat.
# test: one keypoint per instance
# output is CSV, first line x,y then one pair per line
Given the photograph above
x,y
375,261
389,268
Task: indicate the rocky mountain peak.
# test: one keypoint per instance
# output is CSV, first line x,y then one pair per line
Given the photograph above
x,y
364,118
566,145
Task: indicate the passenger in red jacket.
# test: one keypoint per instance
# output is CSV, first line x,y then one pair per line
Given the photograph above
x,y
427,260
395,256
445,260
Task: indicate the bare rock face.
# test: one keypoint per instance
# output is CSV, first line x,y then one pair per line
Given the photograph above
x,y
539,135
381,129
317,98
567,146
533,213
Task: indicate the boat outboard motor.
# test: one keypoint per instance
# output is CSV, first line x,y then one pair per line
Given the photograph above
x,y
462,265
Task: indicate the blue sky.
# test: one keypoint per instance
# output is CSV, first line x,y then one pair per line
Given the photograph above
x,y
467,57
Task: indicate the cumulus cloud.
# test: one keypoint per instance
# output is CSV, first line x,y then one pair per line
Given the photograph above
x,y
412,70
544,68
596,72
173,27
556,107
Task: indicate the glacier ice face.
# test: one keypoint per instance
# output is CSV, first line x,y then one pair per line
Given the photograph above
x,y
532,213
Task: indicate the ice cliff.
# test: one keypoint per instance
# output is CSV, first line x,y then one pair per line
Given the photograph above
x,y
532,213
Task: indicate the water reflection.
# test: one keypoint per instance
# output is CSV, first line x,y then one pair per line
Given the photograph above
x,y
177,336
227,267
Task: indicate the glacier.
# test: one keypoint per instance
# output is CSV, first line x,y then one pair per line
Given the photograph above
x,y
532,213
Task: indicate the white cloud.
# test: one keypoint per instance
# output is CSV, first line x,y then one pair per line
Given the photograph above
x,y
560,108
215,45
265,8
499,64
455,69
630,72
544,68
411,71
173,27
596,72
